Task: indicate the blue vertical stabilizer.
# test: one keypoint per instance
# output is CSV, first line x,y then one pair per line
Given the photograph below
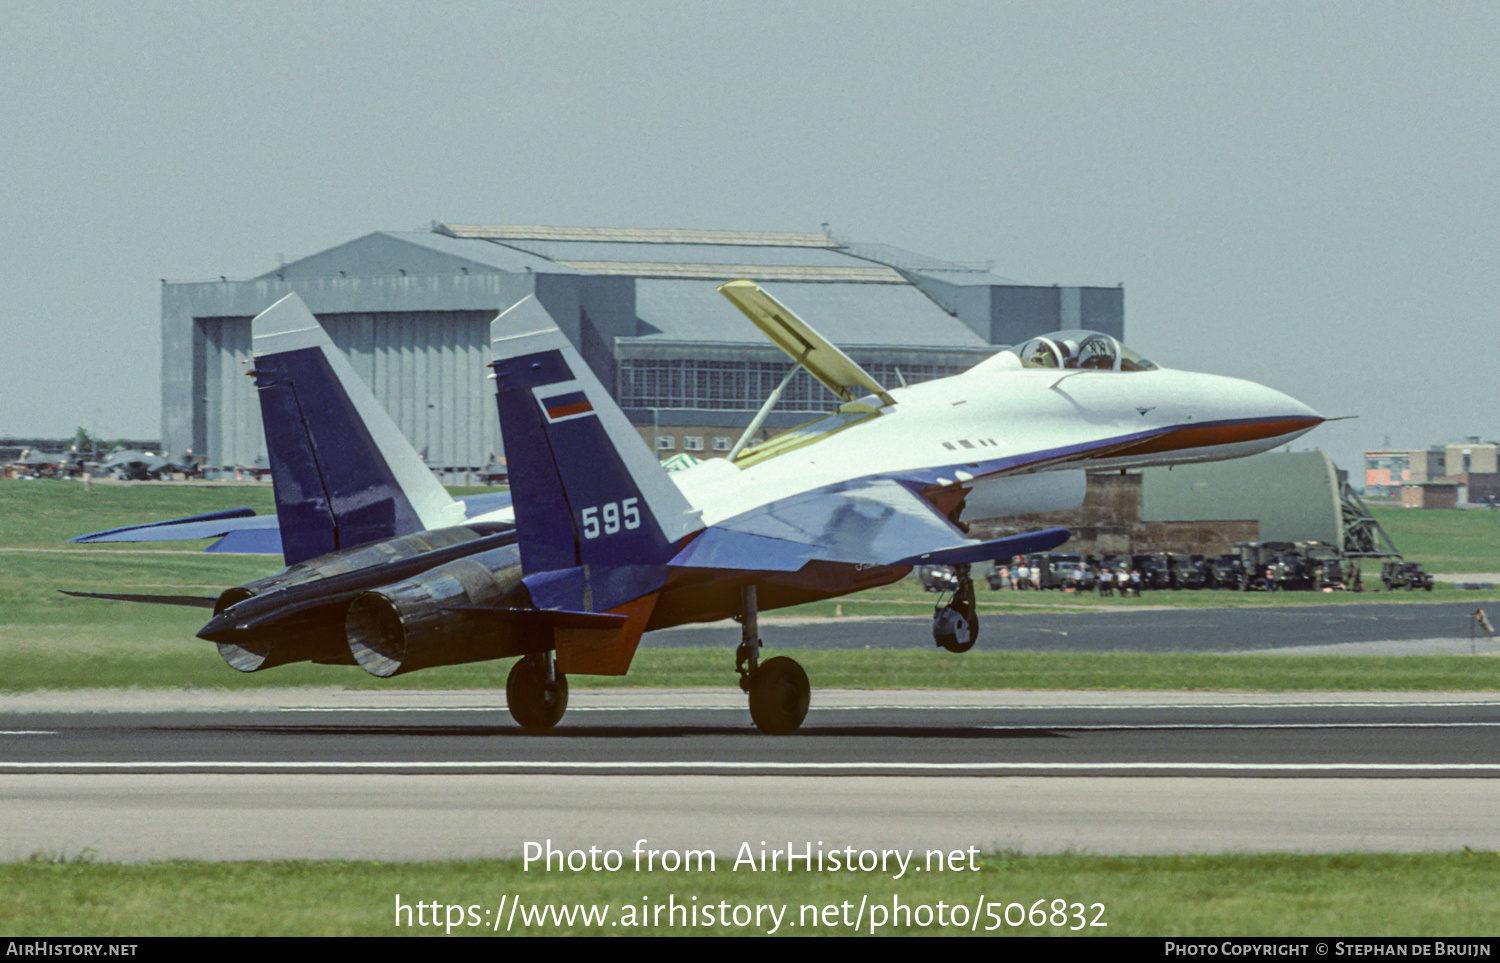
x,y
343,473
587,490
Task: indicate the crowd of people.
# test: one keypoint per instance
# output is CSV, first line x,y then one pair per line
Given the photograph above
x,y
1019,575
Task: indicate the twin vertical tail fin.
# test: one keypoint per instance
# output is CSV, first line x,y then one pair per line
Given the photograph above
x,y
344,474
587,491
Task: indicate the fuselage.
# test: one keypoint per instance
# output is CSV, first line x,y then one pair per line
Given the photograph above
x,y
1000,421
998,439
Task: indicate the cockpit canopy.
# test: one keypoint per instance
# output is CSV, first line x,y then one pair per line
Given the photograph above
x,y
1086,350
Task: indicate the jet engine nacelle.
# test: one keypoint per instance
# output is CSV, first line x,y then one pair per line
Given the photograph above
x,y
1049,491
447,616
298,613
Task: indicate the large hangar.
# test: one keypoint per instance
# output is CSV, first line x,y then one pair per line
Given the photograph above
x,y
412,311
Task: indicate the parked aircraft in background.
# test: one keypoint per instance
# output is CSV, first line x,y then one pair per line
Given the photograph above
x,y
130,464
607,545
41,464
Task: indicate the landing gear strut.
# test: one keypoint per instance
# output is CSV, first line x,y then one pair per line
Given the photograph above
x,y
955,626
536,692
779,692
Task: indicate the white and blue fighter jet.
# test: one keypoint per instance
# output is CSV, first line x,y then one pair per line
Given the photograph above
x,y
607,546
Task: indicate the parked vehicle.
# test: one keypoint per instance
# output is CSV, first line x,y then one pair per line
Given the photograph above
x,y
937,578
1407,575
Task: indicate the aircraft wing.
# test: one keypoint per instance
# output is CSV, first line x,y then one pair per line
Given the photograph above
x,y
869,522
241,530
836,370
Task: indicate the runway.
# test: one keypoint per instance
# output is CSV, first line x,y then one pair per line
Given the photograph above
x,y
411,775
1373,627
850,732
313,774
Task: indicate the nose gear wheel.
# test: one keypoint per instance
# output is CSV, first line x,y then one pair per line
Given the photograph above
x,y
955,626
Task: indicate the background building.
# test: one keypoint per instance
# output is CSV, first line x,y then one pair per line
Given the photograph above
x,y
412,310
1442,476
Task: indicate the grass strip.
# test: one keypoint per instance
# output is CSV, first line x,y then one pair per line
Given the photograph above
x,y
1357,895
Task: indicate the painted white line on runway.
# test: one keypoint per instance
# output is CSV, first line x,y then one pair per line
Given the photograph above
x,y
723,766
27,732
1127,726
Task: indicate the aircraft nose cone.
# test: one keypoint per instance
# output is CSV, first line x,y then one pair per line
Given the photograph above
x,y
1293,408
1283,417
1240,417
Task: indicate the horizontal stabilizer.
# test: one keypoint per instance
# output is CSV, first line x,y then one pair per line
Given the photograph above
x,y
207,525
250,541
192,601
1025,544
484,504
241,531
836,370
593,643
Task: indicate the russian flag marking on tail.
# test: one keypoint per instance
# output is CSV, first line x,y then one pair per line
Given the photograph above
x,y
563,401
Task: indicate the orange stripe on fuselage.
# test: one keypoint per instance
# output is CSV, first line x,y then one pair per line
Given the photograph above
x,y
1210,436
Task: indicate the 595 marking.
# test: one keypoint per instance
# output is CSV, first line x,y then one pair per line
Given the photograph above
x,y
609,519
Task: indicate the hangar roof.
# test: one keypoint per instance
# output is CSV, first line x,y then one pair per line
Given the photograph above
x,y
848,315
872,295
915,263
413,252
644,253
684,253
639,234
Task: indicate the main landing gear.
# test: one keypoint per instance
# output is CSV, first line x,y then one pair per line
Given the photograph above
x,y
536,692
778,688
955,626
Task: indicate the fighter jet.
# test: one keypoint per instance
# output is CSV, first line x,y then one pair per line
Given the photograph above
x,y
607,545
847,502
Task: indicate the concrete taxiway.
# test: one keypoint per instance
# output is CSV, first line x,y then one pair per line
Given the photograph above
x,y
405,817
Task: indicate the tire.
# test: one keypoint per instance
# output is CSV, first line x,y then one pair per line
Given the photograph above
x,y
956,627
779,696
955,631
534,703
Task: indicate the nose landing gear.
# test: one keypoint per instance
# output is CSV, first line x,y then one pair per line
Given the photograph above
x,y
955,626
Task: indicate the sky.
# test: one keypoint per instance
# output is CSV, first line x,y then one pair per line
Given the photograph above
x,y
1299,193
